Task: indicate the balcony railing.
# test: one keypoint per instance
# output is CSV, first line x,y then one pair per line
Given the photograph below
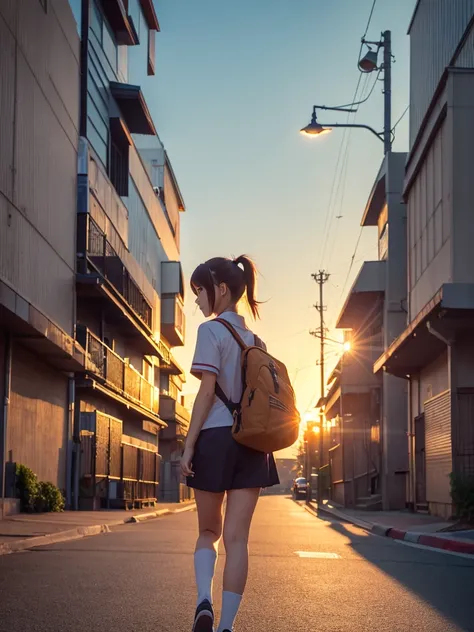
x,y
173,320
172,391
118,373
165,354
94,249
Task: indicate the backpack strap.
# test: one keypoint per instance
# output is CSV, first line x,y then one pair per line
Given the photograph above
x,y
231,406
233,331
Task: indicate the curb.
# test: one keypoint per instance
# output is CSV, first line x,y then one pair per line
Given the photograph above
x,y
85,532
430,541
150,516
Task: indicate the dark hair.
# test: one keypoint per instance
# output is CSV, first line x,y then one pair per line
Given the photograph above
x,y
238,279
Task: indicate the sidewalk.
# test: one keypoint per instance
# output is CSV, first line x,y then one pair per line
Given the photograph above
x,y
26,531
404,525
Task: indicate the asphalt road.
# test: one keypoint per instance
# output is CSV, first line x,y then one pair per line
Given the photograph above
x,y
140,578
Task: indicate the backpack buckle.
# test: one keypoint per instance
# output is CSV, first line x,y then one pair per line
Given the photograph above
x,y
237,417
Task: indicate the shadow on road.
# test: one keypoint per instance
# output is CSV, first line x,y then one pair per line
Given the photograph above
x,y
407,565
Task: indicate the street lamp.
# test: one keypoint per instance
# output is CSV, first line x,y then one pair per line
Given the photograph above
x,y
314,128
367,64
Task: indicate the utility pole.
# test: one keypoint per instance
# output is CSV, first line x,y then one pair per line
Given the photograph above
x,y
321,278
387,90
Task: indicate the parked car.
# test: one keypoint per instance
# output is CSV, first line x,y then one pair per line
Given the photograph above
x,y
300,487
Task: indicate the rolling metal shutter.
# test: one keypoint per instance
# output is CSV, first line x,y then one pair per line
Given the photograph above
x,y
439,460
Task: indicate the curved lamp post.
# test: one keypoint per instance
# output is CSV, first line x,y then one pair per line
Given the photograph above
x,y
366,65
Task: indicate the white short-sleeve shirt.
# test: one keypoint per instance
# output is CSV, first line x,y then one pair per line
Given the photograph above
x,y
218,352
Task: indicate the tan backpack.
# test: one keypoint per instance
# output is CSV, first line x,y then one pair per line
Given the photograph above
x,y
266,418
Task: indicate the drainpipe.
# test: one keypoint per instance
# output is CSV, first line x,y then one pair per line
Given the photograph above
x,y
77,455
411,437
70,440
4,419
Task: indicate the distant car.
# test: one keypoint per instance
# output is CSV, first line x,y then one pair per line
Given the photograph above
x,y
300,487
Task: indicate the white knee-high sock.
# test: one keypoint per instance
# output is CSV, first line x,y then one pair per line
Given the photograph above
x,y
204,566
230,607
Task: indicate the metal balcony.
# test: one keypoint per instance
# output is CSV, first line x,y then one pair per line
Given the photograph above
x,y
174,413
96,256
117,374
365,297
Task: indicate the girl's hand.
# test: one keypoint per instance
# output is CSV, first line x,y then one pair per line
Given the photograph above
x,y
186,462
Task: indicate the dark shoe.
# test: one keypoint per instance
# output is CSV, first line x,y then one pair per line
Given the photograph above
x,y
204,617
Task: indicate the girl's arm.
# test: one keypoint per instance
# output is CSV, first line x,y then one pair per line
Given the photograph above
x,y
202,406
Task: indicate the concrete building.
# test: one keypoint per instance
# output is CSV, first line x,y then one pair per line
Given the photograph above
x,y
366,414
130,289
351,460
434,353
39,128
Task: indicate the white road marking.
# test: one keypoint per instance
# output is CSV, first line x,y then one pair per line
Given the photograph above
x,y
318,555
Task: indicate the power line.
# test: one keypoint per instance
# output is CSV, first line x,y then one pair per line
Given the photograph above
x,y
400,119
343,150
352,261
370,18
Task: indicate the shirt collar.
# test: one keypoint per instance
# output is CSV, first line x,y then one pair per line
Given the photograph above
x,y
233,318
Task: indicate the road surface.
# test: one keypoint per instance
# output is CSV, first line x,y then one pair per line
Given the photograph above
x,y
306,574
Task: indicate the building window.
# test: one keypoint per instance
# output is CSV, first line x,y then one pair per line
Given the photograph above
x,y
119,168
104,35
119,150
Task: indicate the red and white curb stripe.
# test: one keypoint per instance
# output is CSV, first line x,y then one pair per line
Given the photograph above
x,y
413,537
432,541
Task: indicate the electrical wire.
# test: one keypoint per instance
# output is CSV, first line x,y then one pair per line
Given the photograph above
x,y
340,175
399,121
352,261
370,18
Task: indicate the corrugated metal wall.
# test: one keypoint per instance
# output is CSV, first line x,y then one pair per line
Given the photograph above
x,y
143,241
149,199
37,422
463,432
465,59
429,226
435,34
439,462
433,380
39,106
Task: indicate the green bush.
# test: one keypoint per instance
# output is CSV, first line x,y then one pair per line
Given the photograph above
x,y
49,498
462,494
27,486
35,495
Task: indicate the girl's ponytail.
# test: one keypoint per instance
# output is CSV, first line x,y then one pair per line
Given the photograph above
x,y
250,276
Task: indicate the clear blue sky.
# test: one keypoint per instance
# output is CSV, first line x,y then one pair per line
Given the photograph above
x,y
235,83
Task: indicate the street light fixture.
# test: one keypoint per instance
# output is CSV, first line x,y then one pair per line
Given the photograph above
x,y
314,128
368,64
